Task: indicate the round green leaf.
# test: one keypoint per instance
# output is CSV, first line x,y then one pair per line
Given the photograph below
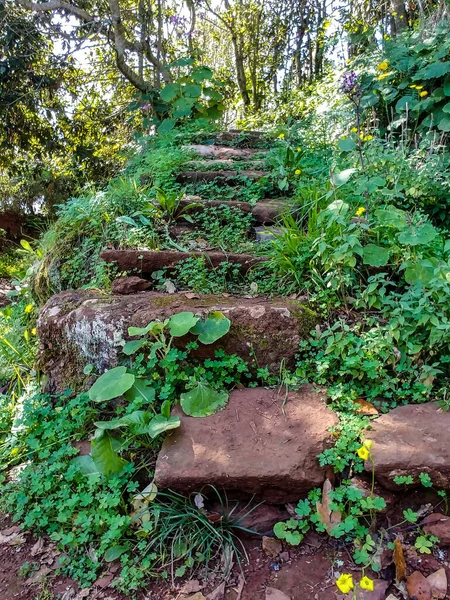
x,y
159,424
111,384
421,272
415,235
375,256
203,401
212,329
181,323
192,89
444,124
170,92
391,216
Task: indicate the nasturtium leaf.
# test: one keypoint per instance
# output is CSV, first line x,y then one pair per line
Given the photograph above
x,y
201,74
391,216
417,234
203,401
166,126
181,323
212,329
342,177
346,145
133,346
192,89
111,384
375,256
105,457
142,330
114,552
444,124
140,391
170,92
159,424
85,464
420,272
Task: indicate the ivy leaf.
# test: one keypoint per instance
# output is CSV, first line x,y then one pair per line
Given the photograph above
x,y
203,401
212,329
181,323
419,234
375,256
111,384
106,459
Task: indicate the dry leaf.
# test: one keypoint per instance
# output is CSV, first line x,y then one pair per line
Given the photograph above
x,y
191,296
329,518
190,587
198,501
438,583
170,287
104,582
39,576
365,408
14,539
218,593
197,596
399,560
418,587
240,587
271,546
38,547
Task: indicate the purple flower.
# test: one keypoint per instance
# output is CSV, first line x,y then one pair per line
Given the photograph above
x,y
349,84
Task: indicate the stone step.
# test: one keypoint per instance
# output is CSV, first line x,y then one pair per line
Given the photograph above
x,y
221,165
240,138
264,211
80,327
223,152
146,262
410,440
219,177
264,442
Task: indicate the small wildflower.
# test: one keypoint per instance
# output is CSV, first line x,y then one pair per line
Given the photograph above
x,y
345,583
394,14
297,171
363,453
28,308
368,138
354,129
368,444
366,584
419,87
382,76
423,94
14,451
386,36
413,87
299,149
383,66
34,331
281,136
361,210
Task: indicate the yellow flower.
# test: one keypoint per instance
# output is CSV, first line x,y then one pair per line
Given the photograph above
x,y
386,36
382,76
394,14
297,171
34,331
366,584
383,66
361,210
14,451
26,335
368,138
281,136
363,453
413,87
299,149
423,94
354,129
345,583
419,87
28,308
368,444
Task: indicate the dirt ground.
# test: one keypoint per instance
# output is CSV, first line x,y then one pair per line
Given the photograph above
x,y
28,572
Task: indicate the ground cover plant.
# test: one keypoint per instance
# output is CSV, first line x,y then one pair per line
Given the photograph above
x,y
359,159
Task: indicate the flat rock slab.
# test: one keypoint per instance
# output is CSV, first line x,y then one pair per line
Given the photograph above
x,y
251,446
83,327
410,440
225,177
147,262
223,152
264,211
